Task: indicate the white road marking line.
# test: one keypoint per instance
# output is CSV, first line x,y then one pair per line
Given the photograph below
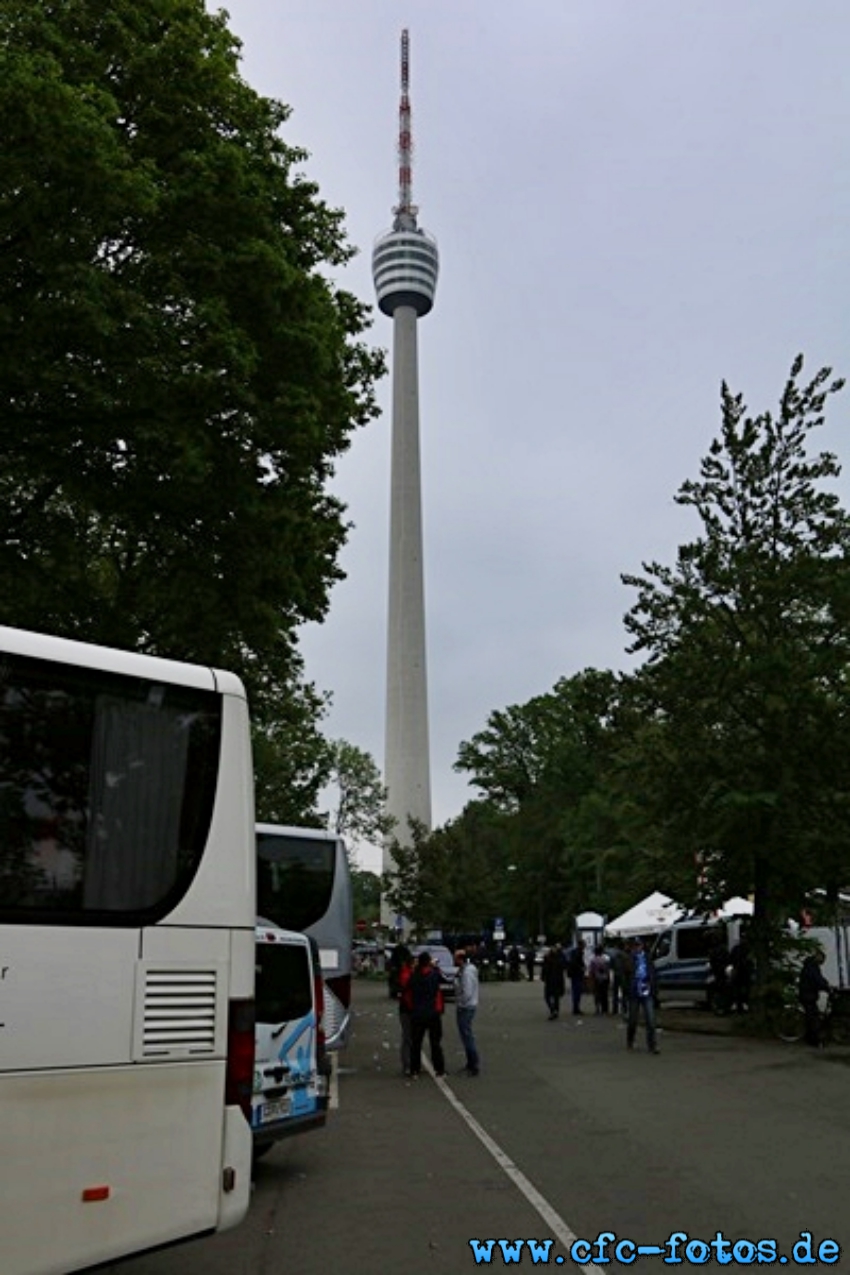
x,y
553,1220
333,1100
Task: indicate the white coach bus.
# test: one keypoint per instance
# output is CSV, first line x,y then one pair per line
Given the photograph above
x,y
127,914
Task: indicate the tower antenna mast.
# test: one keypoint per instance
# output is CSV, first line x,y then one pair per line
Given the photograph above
x,y
405,213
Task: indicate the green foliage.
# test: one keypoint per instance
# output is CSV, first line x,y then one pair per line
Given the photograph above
x,y
746,771
366,890
292,760
360,812
178,375
722,766
413,888
547,769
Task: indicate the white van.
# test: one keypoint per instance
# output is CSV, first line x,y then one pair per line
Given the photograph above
x,y
681,957
291,1067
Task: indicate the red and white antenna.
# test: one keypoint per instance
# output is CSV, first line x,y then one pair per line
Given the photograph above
x,y
406,209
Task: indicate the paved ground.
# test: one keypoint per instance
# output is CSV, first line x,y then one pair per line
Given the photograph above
x,y
718,1133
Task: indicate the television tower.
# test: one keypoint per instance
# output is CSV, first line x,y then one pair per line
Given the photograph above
x,y
404,267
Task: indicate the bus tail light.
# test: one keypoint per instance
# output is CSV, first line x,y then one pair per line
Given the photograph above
x,y
239,1082
319,995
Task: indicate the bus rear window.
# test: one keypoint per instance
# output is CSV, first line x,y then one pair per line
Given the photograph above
x,y
107,785
295,879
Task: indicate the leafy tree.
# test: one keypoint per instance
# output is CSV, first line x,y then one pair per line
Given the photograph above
x,y
414,889
177,372
360,812
743,761
292,759
507,760
544,765
366,889
471,855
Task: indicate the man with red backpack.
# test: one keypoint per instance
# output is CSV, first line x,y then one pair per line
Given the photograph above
x,y
400,976
426,1015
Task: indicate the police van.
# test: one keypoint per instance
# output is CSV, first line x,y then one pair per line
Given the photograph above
x,y
291,1067
681,955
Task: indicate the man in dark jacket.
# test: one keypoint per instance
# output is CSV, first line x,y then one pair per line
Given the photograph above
x,y
404,974
554,984
576,974
812,983
426,1015
642,996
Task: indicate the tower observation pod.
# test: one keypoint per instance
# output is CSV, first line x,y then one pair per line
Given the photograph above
x,y
405,265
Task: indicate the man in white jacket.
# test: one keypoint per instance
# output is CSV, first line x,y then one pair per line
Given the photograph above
x,y
466,1003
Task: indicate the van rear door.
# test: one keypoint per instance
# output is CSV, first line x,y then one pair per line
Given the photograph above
x,y
290,1083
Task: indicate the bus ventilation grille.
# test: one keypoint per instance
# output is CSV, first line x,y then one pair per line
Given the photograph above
x,y
179,1013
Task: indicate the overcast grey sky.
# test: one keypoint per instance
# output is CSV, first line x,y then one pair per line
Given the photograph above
x,y
633,202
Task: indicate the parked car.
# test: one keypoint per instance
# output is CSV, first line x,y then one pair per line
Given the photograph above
x,y
445,962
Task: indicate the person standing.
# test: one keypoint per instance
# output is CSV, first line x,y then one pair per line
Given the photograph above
x,y
600,974
718,961
466,1003
642,994
741,964
575,970
426,1015
529,962
403,972
811,984
620,973
554,985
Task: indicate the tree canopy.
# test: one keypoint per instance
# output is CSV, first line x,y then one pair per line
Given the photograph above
x,y
746,679
178,372
721,766
360,796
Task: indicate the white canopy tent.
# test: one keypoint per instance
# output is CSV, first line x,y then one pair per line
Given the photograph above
x,y
650,916
658,911
736,907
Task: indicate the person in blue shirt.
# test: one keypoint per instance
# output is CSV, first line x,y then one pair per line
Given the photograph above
x,y
642,995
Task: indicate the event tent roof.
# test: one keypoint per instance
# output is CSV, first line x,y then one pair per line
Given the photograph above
x,y
654,913
658,911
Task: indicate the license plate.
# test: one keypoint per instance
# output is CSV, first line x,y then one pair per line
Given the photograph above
x,y
278,1110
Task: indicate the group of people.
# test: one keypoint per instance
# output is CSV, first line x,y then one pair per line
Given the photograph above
x,y
629,972
417,986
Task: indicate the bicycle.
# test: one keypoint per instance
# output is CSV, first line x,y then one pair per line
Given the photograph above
x,y
789,1020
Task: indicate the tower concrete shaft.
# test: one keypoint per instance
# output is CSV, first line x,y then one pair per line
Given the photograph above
x,y
407,773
